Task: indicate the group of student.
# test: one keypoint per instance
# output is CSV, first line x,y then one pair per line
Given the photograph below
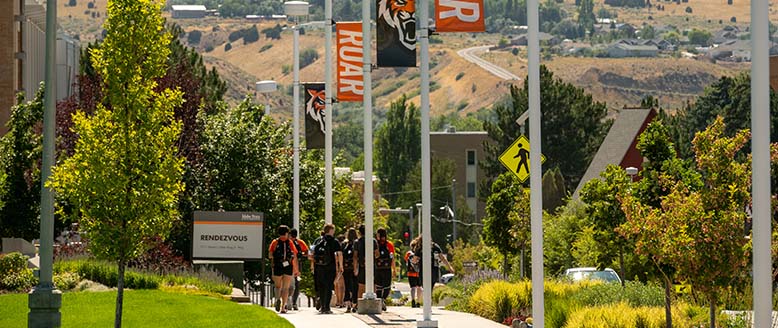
x,y
339,264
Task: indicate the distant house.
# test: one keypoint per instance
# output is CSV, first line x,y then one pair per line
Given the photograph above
x,y
543,37
627,28
621,50
736,51
188,11
619,146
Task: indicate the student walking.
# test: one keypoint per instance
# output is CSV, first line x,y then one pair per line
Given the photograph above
x,y
302,254
340,281
384,264
412,264
328,260
283,256
350,266
437,258
359,248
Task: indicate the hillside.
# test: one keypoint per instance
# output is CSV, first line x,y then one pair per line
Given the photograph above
x,y
457,85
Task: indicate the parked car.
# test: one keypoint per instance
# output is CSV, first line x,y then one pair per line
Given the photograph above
x,y
446,278
581,274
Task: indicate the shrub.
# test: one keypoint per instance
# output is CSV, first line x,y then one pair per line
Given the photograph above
x,y
515,51
14,274
209,48
90,5
227,47
72,3
235,35
733,19
194,37
633,293
265,47
459,76
308,56
622,315
688,10
160,258
285,69
66,280
250,35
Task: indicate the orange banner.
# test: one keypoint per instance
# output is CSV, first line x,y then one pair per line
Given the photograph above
x,y
459,16
350,75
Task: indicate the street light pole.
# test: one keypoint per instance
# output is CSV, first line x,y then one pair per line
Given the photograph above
x,y
266,86
453,210
45,299
328,111
367,133
296,8
426,188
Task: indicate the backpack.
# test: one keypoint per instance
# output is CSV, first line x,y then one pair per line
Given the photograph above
x,y
321,256
384,260
283,251
299,248
412,267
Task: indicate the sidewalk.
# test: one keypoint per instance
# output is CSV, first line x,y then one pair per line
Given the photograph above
x,y
396,316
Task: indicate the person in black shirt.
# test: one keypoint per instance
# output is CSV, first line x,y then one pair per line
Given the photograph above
x,y
350,271
328,260
360,254
384,267
437,257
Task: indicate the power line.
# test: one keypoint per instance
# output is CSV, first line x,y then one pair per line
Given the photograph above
x,y
412,191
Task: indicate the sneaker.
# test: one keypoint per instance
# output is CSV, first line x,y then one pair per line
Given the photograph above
x,y
278,305
328,312
283,311
316,303
294,307
413,304
383,305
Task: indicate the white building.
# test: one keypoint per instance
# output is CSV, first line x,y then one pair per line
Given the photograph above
x,y
188,11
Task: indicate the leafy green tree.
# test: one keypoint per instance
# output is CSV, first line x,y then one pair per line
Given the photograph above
x,y
507,210
699,37
20,156
467,123
442,172
647,32
573,126
125,175
699,228
397,146
586,17
560,233
605,211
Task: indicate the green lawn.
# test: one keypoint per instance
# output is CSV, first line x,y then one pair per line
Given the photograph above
x,y
144,308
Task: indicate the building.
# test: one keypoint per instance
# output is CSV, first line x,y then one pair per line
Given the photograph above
x,y
621,50
22,58
620,145
465,149
188,11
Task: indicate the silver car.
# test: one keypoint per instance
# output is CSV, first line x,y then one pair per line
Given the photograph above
x,y
591,273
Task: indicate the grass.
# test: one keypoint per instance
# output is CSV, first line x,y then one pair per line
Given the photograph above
x,y
144,308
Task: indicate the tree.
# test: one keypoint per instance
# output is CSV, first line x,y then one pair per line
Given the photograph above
x,y
561,231
507,210
605,211
699,227
442,172
647,32
398,146
20,156
573,128
554,191
699,37
125,176
586,17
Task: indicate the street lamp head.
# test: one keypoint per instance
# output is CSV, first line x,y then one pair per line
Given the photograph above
x,y
266,86
632,171
296,8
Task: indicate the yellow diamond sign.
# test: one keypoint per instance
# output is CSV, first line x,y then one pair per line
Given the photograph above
x,y
516,158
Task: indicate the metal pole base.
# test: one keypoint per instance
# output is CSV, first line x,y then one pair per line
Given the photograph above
x,y
44,304
369,306
427,324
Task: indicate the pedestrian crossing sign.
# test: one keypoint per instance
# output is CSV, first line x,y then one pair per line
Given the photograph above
x,y
516,158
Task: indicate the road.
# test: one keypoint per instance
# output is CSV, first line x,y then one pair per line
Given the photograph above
x,y
471,55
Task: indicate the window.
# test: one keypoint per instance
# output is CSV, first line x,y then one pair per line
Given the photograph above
x,y
471,190
471,157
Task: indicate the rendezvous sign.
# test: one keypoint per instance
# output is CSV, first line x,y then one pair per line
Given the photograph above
x,y
227,235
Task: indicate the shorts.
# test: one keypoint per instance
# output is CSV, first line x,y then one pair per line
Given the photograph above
x,y
282,271
414,281
383,278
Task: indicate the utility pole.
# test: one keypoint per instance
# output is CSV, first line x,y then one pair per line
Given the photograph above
x,y
453,210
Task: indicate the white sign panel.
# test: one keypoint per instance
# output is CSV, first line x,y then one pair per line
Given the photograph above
x,y
227,235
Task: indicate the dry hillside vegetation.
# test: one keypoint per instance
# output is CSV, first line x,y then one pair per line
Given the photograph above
x,y
79,20
702,10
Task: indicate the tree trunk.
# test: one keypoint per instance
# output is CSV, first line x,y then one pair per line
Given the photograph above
x,y
119,295
621,264
712,300
523,248
668,310
505,266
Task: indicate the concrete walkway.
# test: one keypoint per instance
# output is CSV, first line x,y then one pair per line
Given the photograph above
x,y
395,316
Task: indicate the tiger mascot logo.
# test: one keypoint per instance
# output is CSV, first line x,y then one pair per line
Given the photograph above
x,y
315,106
400,15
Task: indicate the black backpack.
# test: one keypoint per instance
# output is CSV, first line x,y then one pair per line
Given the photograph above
x,y
296,243
321,256
384,260
283,251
